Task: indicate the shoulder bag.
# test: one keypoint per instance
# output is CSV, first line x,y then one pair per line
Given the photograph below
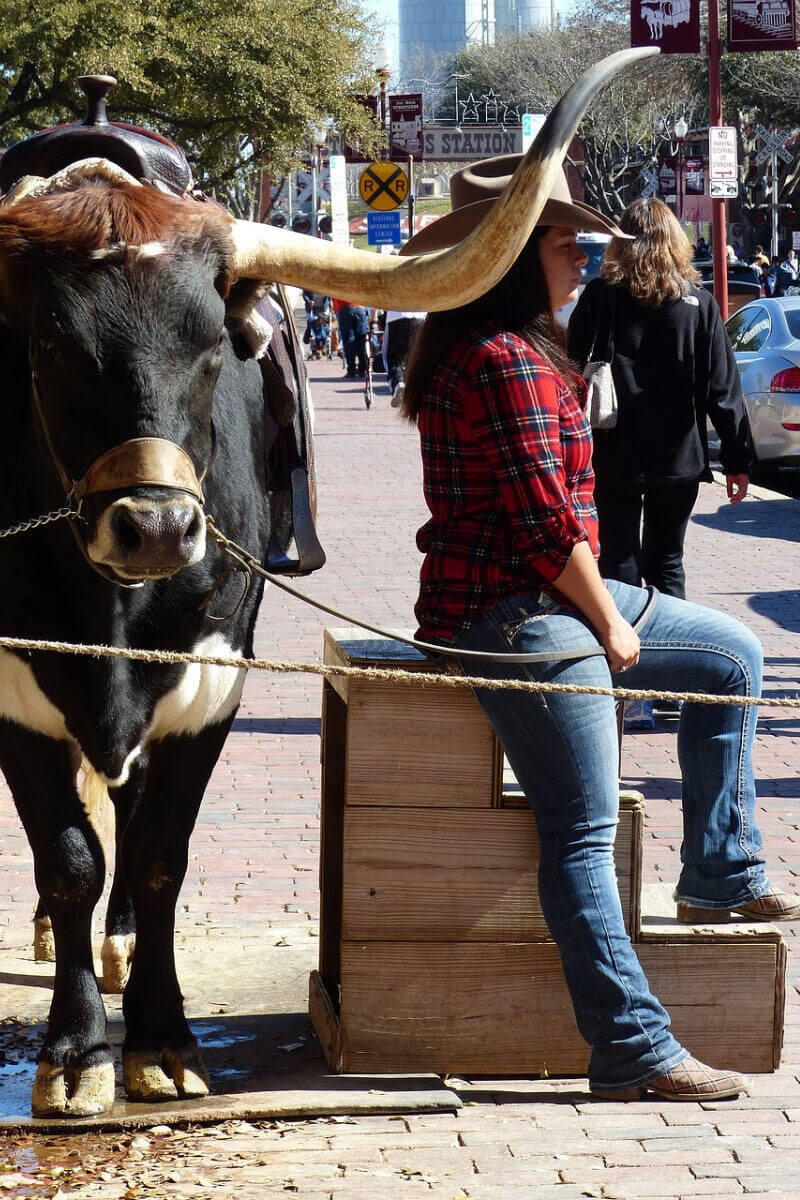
x,y
601,394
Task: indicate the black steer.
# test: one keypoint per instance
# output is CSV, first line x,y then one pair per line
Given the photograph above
x,y
113,335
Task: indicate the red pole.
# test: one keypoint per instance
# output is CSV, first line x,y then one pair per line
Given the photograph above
x,y
718,215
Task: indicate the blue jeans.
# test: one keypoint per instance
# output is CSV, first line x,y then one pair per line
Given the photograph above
x,y
564,752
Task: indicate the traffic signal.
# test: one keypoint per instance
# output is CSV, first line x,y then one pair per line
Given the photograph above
x,y
301,223
279,220
325,224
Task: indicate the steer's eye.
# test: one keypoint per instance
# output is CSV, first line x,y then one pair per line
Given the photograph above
x,y
47,349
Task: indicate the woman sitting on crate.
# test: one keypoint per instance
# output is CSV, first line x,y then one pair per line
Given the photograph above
x,y
510,568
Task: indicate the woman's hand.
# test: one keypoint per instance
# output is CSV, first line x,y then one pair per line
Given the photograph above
x,y
737,487
621,644
581,583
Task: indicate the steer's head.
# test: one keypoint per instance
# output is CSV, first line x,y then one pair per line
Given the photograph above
x,y
120,292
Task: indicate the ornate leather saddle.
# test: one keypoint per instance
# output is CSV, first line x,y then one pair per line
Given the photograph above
x,y
294,548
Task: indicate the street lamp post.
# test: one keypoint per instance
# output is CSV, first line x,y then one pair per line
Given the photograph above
x,y
318,136
383,69
681,130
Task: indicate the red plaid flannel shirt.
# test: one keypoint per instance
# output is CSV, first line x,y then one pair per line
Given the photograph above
x,y
507,473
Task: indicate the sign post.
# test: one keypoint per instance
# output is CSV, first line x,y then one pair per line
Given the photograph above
x,y
340,229
773,146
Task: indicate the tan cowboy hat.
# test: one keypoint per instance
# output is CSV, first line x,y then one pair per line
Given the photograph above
x,y
473,191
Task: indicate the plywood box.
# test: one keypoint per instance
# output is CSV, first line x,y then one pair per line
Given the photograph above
x,y
504,1009
434,955
420,746
453,875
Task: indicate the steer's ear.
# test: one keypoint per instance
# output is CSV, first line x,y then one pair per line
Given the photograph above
x,y
222,284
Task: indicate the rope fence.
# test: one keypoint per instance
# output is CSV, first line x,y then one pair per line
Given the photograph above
x,y
384,674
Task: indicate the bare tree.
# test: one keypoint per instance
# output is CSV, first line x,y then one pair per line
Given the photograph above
x,y
631,121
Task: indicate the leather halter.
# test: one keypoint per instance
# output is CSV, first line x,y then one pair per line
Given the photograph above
x,y
141,462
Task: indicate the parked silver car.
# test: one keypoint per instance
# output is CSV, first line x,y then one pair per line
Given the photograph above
x,y
765,336
594,247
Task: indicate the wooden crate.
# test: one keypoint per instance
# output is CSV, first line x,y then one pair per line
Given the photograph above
x,y
404,744
453,875
503,1008
434,955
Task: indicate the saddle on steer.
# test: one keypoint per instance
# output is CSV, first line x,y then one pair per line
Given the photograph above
x,y
288,448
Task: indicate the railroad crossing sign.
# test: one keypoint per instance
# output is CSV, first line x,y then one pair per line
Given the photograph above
x,y
650,178
774,142
383,186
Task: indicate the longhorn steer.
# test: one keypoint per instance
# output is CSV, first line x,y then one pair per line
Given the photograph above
x,y
119,373
113,300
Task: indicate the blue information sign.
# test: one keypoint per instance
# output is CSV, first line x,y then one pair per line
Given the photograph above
x,y
383,228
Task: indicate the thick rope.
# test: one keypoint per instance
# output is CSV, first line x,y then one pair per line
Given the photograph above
x,y
383,674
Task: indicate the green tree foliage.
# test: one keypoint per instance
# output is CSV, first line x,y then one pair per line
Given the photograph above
x,y
235,84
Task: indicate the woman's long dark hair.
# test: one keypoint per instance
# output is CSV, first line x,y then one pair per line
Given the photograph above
x,y
519,303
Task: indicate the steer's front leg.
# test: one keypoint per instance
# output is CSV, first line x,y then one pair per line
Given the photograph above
x,y
160,1056
75,1076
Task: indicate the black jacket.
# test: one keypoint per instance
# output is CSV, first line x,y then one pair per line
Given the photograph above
x,y
673,369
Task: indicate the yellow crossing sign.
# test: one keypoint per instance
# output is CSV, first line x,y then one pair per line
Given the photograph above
x,y
383,186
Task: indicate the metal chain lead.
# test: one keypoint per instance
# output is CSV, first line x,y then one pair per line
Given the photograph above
x,y
69,510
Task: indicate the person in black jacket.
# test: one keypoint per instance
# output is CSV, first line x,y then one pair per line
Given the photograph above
x,y
673,369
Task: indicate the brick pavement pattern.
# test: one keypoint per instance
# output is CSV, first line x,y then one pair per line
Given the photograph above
x,y
253,866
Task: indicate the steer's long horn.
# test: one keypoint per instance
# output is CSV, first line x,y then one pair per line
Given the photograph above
x,y
445,278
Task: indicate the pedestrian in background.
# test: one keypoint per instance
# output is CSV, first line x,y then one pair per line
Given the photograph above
x,y
510,569
673,370
353,320
789,263
398,332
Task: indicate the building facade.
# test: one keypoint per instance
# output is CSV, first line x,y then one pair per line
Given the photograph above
x,y
432,29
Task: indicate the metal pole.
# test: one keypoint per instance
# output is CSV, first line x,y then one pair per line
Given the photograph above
x,y
314,202
411,195
382,75
773,161
718,214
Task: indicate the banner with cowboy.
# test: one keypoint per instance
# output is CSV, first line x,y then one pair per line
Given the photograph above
x,y
672,25
761,25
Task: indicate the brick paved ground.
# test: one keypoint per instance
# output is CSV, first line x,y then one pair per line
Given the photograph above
x,y
254,858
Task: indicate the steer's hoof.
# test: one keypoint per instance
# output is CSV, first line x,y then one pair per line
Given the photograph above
x,y
116,957
168,1076
44,946
72,1091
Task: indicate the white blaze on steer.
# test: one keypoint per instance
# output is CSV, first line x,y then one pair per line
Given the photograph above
x,y
205,695
124,772
24,702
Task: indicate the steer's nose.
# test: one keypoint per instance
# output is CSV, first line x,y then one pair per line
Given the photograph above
x,y
157,537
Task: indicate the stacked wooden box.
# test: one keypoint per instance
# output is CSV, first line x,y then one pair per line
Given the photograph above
x,y
434,955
